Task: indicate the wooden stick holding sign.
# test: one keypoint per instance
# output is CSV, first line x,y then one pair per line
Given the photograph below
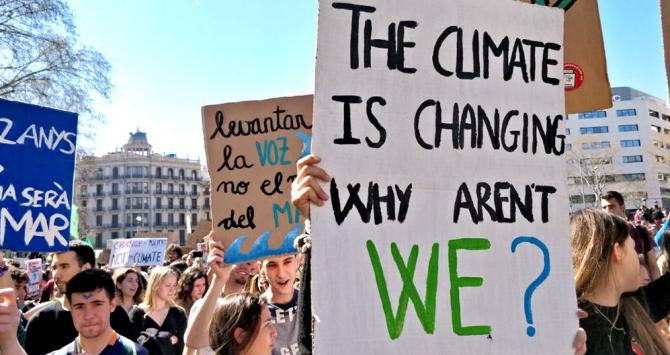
x,y
252,148
441,123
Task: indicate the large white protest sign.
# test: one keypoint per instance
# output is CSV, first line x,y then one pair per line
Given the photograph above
x,y
138,251
446,231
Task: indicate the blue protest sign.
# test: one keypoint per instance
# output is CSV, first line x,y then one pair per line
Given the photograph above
x,y
37,151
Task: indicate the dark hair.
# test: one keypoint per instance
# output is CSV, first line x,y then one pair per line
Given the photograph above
x,y
239,310
658,215
179,266
18,275
85,253
120,275
185,286
175,248
90,280
613,195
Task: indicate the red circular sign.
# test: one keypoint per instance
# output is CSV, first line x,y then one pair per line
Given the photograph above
x,y
573,76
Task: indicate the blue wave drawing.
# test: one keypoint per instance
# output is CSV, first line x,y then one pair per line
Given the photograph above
x,y
260,248
306,143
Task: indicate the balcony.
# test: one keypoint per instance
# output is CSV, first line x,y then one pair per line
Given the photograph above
x,y
137,207
137,191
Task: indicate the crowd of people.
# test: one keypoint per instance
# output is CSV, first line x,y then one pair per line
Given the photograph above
x,y
194,306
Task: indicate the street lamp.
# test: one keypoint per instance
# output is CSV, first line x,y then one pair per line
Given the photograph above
x,y
139,222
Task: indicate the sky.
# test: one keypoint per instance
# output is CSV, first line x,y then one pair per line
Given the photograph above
x,y
171,57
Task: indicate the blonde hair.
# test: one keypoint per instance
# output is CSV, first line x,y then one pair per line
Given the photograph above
x,y
157,277
593,234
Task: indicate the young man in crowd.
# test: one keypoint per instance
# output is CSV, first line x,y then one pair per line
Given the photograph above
x,y
51,327
613,203
91,295
173,253
20,278
281,295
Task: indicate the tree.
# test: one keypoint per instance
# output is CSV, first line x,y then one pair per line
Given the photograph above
x,y
41,61
590,165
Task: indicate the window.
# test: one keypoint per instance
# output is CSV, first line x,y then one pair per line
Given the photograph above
x,y
159,187
159,174
158,220
136,171
115,172
194,189
115,235
194,204
170,203
208,216
159,203
98,221
596,145
626,112
98,205
633,177
115,189
170,219
594,130
627,143
98,240
194,219
206,202
632,158
170,188
115,220
660,176
627,127
182,203
596,114
182,219
115,204
98,189
653,113
656,129
596,161
182,189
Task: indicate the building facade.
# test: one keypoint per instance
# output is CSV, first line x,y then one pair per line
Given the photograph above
x,y
625,148
135,190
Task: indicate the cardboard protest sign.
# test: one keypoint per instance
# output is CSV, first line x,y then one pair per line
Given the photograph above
x,y
34,269
665,25
252,148
447,224
587,86
140,251
37,151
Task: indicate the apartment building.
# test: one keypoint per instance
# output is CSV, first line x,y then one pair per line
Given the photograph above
x,y
624,148
137,190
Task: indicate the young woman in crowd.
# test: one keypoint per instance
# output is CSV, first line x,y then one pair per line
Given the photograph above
x,y
607,274
129,288
158,310
242,325
192,286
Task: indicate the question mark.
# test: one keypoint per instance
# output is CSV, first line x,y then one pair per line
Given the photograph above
x,y
528,311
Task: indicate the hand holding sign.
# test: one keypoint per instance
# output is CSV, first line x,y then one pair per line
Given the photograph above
x,y
306,187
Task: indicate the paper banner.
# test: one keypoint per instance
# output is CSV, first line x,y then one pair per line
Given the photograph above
x,y
252,150
37,151
446,230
